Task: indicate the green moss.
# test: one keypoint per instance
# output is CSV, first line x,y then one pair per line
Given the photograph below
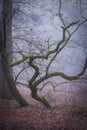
x,y
7,100
44,101
41,97
28,56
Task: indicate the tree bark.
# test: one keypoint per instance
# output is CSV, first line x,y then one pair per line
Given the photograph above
x,y
8,87
11,83
39,98
5,42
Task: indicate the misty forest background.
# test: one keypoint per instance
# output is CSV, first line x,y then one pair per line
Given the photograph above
x,y
33,29
43,64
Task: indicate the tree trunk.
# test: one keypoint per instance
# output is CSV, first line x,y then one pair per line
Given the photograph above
x,y
43,100
5,11
39,98
8,88
11,83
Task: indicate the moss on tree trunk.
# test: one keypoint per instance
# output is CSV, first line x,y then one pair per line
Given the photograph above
x,y
40,98
21,100
43,100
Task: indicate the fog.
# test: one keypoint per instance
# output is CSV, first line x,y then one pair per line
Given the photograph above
x,y
37,27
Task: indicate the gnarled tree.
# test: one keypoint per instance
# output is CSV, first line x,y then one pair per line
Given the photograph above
x,y
30,60
33,57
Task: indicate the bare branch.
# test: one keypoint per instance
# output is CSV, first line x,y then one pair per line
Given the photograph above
x,y
26,85
23,69
49,82
61,74
35,67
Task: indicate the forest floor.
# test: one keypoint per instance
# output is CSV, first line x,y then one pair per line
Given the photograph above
x,y
14,117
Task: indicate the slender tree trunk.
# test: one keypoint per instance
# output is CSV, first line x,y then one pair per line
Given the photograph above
x,y
39,98
43,100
